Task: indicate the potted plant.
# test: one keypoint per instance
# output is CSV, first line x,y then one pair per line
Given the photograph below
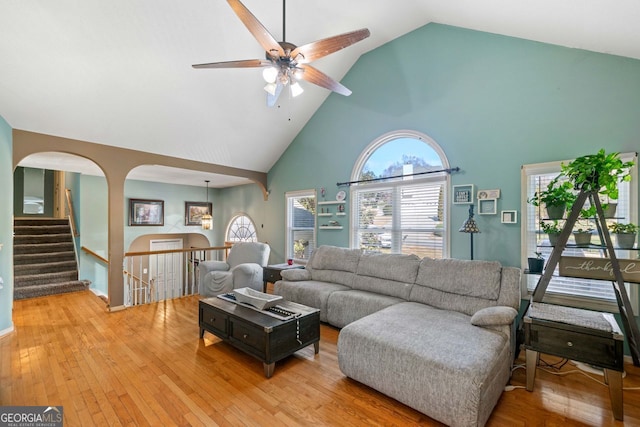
x,y
598,173
625,234
536,265
557,197
552,229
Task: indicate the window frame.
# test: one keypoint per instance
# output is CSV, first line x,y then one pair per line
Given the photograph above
x,y
396,184
289,241
231,222
527,210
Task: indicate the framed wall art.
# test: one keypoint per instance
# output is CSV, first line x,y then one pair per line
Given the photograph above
x,y
509,217
193,212
487,206
463,194
146,212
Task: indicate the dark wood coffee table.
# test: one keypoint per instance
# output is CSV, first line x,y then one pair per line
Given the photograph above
x,y
262,336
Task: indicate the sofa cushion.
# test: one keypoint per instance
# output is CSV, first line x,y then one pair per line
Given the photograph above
x,y
311,293
345,307
387,274
494,316
432,360
335,265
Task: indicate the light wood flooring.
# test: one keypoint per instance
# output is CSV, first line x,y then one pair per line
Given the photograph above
x,y
146,366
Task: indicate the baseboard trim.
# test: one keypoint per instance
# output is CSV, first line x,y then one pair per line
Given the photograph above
x,y
117,308
98,293
7,331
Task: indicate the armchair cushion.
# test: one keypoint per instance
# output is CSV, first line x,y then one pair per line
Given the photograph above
x,y
214,265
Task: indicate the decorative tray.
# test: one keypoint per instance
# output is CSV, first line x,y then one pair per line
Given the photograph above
x,y
259,300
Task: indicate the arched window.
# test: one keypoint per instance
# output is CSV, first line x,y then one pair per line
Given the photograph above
x,y
402,208
241,229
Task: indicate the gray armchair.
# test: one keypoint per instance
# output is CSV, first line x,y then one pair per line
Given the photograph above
x,y
243,268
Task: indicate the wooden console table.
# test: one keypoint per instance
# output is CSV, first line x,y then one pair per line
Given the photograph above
x,y
586,336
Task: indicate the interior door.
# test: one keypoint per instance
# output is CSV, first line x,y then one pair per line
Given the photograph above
x,y
166,269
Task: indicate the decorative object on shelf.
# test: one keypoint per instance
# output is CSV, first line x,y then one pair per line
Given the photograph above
x,y
509,217
341,196
207,219
146,212
323,193
489,194
487,206
463,194
536,265
341,208
470,226
557,198
625,234
552,229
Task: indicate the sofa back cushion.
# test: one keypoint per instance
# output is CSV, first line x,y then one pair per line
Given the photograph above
x,y
461,285
387,274
334,264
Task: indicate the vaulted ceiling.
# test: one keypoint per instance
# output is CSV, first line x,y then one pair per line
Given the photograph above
x,y
119,72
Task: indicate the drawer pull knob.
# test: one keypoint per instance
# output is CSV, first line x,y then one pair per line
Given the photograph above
x,y
213,319
245,336
569,344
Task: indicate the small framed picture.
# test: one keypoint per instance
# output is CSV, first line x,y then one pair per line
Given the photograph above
x,y
509,217
146,212
489,194
463,194
487,207
193,212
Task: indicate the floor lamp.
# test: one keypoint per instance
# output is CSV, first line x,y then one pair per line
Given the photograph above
x,y
470,226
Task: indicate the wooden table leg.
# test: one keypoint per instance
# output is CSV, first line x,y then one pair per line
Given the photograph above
x,y
316,347
268,369
614,379
532,363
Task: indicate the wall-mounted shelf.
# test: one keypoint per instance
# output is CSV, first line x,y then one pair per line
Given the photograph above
x,y
332,202
325,214
330,227
341,214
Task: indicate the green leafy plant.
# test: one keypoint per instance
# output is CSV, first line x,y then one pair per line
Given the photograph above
x,y
599,173
556,194
619,228
538,255
550,227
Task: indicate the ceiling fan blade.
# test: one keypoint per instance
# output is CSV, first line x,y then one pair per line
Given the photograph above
x,y
258,30
272,99
317,77
316,50
245,63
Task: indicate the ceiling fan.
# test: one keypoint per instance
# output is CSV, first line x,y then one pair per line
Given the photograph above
x,y
285,62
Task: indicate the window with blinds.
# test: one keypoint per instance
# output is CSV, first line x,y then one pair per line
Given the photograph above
x,y
585,293
301,224
401,217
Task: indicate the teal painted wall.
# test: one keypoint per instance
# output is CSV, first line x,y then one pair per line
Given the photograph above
x,y
6,227
246,199
493,103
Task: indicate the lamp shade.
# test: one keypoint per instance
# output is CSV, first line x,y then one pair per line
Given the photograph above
x,y
469,226
207,219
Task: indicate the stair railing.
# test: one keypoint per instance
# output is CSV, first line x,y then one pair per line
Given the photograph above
x,y
72,216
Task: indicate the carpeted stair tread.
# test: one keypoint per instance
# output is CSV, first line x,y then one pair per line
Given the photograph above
x,y
30,239
46,257
43,247
34,229
44,278
19,222
43,268
50,289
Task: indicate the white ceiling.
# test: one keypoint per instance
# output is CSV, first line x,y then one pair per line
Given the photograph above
x,y
119,72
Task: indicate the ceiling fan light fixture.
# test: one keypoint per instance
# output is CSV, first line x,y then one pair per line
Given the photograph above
x,y
270,74
296,89
271,88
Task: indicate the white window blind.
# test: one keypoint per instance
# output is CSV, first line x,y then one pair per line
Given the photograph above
x,y
591,294
406,216
301,224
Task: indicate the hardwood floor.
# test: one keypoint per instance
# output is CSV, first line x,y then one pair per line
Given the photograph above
x,y
146,366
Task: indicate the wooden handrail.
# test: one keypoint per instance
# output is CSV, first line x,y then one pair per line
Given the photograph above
x,y
90,252
134,277
72,218
168,251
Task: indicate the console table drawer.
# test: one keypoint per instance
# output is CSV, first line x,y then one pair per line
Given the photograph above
x,y
271,276
213,320
588,348
249,336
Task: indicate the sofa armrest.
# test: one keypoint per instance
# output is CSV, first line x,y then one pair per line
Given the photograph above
x,y
296,274
247,275
494,316
207,266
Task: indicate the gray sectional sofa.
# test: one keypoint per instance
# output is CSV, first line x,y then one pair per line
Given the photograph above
x,y
435,334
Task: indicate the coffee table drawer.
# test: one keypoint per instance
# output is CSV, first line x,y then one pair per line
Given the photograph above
x,y
248,336
214,320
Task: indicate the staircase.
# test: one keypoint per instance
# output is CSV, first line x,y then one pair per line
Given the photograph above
x,y
44,258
